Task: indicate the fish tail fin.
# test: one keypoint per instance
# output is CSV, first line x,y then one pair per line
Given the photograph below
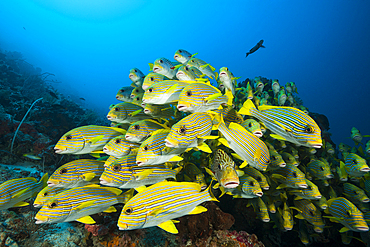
x,y
124,197
42,183
209,192
247,107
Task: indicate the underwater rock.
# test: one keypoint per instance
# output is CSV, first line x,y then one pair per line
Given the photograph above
x,y
97,230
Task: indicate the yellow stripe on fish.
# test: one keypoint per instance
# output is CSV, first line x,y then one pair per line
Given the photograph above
x,y
126,113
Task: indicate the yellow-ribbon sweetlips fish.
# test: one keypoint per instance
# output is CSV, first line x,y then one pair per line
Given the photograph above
x,y
119,146
355,194
77,204
285,218
322,203
182,56
200,97
124,173
290,176
344,212
154,151
193,174
164,67
45,194
255,48
261,179
312,192
289,159
248,188
355,165
250,148
190,131
258,85
126,113
136,91
86,139
253,127
310,213
276,161
139,131
260,209
13,192
303,233
228,79
356,136
136,76
288,123
229,115
32,156
223,168
275,87
152,78
204,67
164,92
367,147
319,170
138,100
162,202
185,74
282,97
292,151
161,111
77,173
124,94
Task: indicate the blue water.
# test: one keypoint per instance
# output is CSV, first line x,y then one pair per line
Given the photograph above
x,y
90,46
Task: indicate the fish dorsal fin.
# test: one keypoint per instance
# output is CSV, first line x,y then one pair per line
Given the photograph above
x,y
344,229
111,209
86,220
141,188
168,226
267,107
299,216
198,210
230,97
88,176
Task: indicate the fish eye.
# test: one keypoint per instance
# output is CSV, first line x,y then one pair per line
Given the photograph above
x,y
150,90
250,125
312,213
64,170
274,157
188,93
135,70
152,78
251,183
219,167
137,98
122,90
321,168
52,204
180,51
45,194
186,68
294,174
259,179
227,69
146,148
129,210
354,162
137,90
116,167
68,137
116,109
182,130
136,127
161,61
308,129
118,141
192,60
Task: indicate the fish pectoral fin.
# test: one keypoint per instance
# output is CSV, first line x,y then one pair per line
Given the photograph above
x,y
277,137
175,221
278,176
95,155
111,209
172,89
298,198
168,226
198,210
204,147
21,204
96,139
299,216
97,152
140,188
155,212
120,130
86,220
212,97
144,174
344,229
257,155
88,176
85,205
20,193
281,186
224,142
135,113
244,164
175,158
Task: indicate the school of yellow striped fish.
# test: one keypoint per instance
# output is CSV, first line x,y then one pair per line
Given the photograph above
x,y
175,139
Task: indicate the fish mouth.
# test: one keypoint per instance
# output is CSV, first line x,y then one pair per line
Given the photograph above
x,y
222,74
316,145
318,230
127,137
118,97
143,105
366,200
144,87
146,111
259,194
36,205
156,69
58,150
366,169
144,101
330,176
169,144
182,107
318,197
140,163
266,220
130,76
363,228
282,165
124,226
180,73
39,221
132,96
302,186
258,134
266,188
51,184
105,150
231,185
288,228
110,118
343,179
103,181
